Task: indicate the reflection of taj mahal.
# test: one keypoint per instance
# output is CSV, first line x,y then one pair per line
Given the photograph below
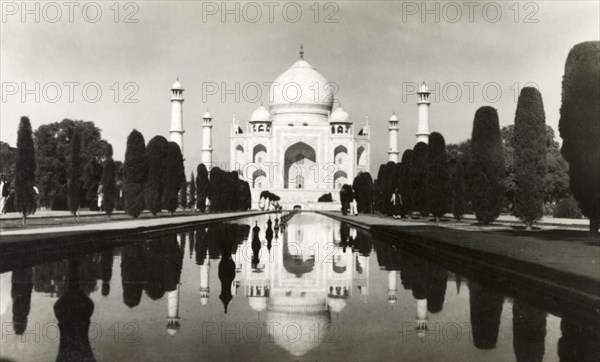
x,y
299,147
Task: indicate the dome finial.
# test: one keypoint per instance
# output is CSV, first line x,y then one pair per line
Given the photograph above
x,y
301,50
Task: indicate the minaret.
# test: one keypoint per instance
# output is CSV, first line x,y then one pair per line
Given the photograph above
x,y
204,281
392,289
423,125
421,317
393,151
173,311
207,140
176,130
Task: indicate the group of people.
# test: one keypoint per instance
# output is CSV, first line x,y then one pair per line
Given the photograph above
x,y
348,199
7,194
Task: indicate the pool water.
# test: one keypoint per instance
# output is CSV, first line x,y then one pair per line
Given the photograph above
x,y
251,289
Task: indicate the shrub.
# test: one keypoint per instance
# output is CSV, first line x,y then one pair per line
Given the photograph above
x,y
568,208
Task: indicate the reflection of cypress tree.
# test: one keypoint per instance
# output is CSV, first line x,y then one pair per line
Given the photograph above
x,y
192,247
201,246
132,274
73,311
578,343
226,272
417,272
173,257
20,292
106,264
155,268
364,243
529,332
255,245
486,309
89,273
269,234
437,280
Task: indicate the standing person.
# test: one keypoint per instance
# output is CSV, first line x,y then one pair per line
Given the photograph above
x,y
37,197
5,193
2,197
396,204
100,197
353,205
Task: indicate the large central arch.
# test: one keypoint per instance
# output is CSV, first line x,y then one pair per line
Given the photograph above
x,y
296,156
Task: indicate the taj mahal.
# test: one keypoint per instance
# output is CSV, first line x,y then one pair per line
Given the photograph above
x,y
299,147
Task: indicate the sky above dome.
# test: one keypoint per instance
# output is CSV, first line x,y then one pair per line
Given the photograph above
x,y
375,53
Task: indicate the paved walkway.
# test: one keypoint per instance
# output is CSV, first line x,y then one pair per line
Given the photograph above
x,y
134,225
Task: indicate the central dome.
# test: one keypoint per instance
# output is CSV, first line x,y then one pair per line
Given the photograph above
x,y
301,84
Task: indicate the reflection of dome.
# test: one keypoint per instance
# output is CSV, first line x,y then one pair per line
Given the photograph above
x,y
302,84
335,305
340,116
258,303
295,265
291,330
261,114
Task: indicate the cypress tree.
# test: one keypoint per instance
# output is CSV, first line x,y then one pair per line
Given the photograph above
x,y
459,195
388,187
174,175
529,156
436,186
418,178
579,127
157,150
74,182
183,194
192,203
202,187
25,170
363,188
135,174
378,189
217,183
405,187
109,188
487,165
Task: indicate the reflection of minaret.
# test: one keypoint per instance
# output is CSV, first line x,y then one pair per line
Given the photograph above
x,y
392,286
421,317
73,311
173,311
362,275
21,287
204,281
423,123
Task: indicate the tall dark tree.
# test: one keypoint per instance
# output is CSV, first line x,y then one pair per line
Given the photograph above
x,y
437,182
135,173
25,171
579,127
486,166
109,188
91,179
202,187
157,151
459,194
244,201
405,186
418,178
183,194
530,156
363,190
174,174
192,203
74,184
218,179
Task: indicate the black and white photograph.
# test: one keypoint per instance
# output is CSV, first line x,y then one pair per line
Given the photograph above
x,y
355,180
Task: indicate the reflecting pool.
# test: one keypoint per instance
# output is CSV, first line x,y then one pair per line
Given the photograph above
x,y
255,289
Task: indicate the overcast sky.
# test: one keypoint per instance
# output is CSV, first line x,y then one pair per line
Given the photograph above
x,y
375,52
